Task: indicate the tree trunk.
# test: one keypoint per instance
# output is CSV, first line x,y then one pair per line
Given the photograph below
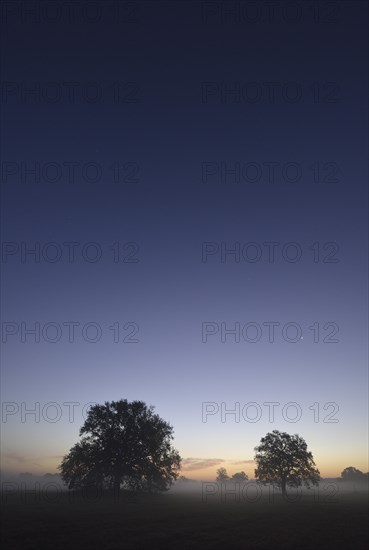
x,y
284,489
116,486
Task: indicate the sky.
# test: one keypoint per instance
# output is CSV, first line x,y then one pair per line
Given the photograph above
x,y
184,222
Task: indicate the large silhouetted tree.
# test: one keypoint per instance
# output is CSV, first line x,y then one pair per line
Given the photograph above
x,y
283,459
123,444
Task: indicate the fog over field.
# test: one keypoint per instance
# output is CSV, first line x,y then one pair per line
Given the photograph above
x,y
250,491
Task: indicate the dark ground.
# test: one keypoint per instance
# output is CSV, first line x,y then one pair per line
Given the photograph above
x,y
183,521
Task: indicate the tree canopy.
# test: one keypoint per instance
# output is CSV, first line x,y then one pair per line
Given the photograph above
x,y
283,459
122,444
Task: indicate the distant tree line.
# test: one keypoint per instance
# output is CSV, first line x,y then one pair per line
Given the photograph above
x,y
238,477
353,474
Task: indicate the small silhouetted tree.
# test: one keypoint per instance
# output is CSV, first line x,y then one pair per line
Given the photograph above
x,y
283,459
123,444
240,477
352,474
222,475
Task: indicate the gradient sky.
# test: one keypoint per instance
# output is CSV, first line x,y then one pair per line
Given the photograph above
x,y
172,135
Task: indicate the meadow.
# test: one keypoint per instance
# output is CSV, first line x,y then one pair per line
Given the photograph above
x,y
183,520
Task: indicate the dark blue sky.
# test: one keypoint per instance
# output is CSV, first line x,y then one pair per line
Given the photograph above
x,y
134,121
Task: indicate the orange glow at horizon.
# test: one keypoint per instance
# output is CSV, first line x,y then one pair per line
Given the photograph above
x,y
326,467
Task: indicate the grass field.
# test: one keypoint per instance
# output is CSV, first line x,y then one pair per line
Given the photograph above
x,y
183,521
